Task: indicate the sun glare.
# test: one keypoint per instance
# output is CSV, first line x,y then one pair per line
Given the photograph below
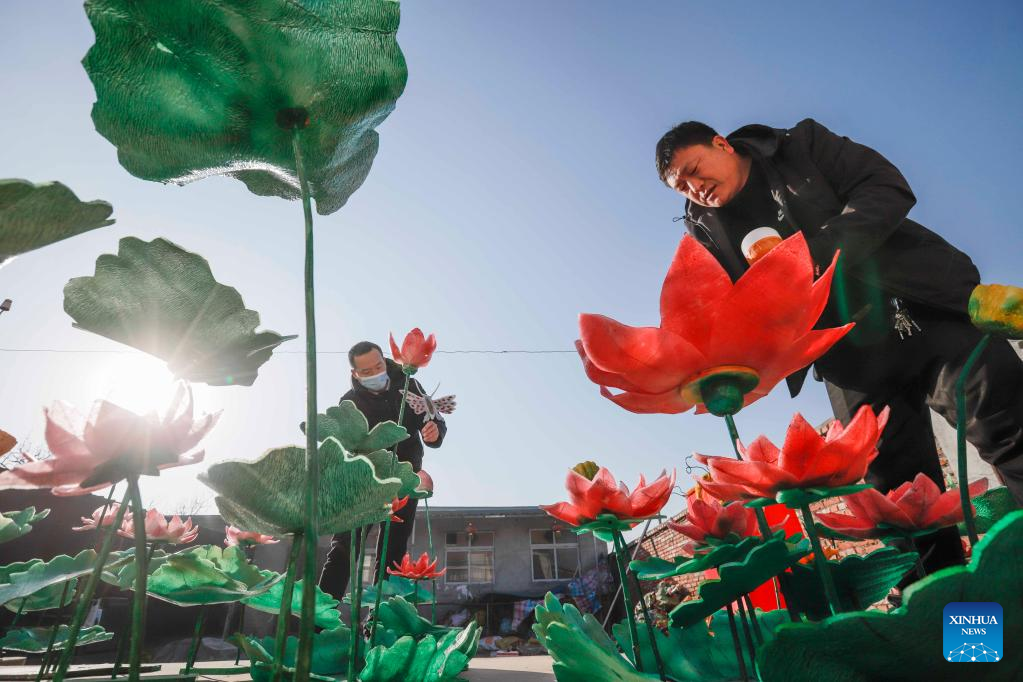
x,y
139,383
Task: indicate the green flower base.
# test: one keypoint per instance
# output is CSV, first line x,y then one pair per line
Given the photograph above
x,y
605,526
905,644
760,565
797,498
325,611
36,640
428,659
163,300
33,216
398,618
395,586
268,495
14,524
23,579
659,569
859,580
700,653
349,425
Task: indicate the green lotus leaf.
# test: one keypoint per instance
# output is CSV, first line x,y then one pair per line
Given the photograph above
x,y
859,580
990,507
349,425
186,91
33,216
605,525
659,569
50,597
161,299
395,586
325,613
330,653
796,498
268,495
903,643
398,618
423,660
699,653
581,650
119,570
208,575
35,640
762,563
22,579
14,524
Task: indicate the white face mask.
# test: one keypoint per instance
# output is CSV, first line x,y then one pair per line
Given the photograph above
x,y
377,382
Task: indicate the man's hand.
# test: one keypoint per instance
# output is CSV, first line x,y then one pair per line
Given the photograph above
x,y
430,432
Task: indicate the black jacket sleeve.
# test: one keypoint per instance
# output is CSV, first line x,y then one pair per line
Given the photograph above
x,y
875,194
442,425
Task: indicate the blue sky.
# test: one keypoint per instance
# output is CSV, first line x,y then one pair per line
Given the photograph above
x,y
514,188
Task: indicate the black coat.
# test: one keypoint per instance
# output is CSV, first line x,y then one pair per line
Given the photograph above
x,y
381,407
844,195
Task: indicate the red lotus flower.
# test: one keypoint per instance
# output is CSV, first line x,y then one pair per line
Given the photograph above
x,y
601,494
396,506
720,345
416,350
911,508
246,538
113,444
724,523
101,520
421,569
806,460
158,529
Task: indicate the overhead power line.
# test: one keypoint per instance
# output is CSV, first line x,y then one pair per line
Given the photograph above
x,y
295,352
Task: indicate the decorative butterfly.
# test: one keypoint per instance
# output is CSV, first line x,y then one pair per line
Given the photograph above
x,y
432,408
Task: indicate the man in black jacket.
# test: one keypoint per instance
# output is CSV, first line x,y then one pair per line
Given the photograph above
x,y
377,385
905,287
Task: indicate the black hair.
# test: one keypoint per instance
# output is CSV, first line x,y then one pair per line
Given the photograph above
x,y
361,348
681,136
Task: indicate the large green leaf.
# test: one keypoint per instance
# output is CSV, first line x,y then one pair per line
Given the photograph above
x,y
762,563
859,580
161,299
395,586
655,568
581,650
22,579
120,568
424,660
187,90
50,597
33,216
325,613
990,507
399,618
268,495
14,524
208,575
700,653
330,653
349,425
905,643
35,640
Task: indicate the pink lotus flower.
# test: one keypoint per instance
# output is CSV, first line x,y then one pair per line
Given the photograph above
x,y
111,445
101,520
236,537
603,495
917,505
425,482
416,350
725,523
806,460
158,529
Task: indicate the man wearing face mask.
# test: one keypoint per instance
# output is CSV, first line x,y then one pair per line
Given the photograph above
x,y
906,288
377,385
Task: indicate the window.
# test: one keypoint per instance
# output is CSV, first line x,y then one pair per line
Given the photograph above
x,y
555,554
469,558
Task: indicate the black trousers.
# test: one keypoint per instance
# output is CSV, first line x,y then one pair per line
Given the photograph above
x,y
335,575
916,374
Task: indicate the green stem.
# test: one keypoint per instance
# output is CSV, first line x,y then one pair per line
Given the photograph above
x,y
964,492
738,645
47,657
241,630
649,625
921,572
751,647
21,609
353,552
193,649
82,607
357,601
382,561
753,618
629,616
433,581
312,468
284,614
821,561
138,607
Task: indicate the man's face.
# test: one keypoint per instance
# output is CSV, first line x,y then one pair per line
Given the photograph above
x,y
709,175
369,364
